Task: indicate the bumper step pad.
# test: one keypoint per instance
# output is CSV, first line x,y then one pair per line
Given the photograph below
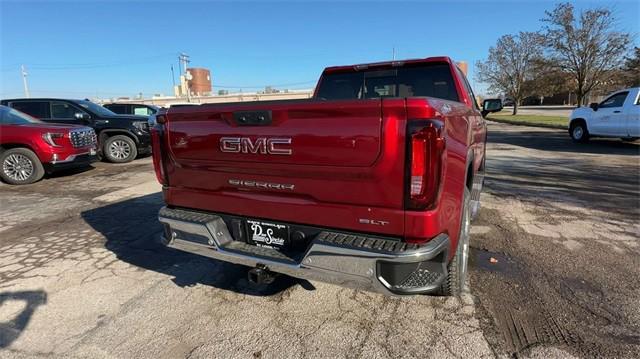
x,y
187,216
380,245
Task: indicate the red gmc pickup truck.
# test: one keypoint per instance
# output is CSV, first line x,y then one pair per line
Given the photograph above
x,y
370,184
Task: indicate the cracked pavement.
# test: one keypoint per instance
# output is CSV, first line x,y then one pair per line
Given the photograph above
x,y
82,273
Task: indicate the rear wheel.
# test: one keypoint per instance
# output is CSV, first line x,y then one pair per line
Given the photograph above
x,y
455,283
579,132
119,149
20,166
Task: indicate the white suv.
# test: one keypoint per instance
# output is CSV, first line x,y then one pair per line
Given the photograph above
x,y
617,116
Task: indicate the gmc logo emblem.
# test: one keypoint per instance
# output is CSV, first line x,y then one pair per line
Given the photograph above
x,y
262,145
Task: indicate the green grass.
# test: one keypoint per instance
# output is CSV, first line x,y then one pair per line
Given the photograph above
x,y
531,120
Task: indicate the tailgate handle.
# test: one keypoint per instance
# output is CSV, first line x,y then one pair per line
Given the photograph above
x,y
252,118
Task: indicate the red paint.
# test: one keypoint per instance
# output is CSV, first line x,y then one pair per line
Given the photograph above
x,y
349,161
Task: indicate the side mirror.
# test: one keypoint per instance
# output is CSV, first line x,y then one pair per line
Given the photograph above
x,y
82,116
594,106
491,105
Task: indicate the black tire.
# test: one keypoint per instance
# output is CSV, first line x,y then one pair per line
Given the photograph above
x,y
578,131
119,149
456,281
20,166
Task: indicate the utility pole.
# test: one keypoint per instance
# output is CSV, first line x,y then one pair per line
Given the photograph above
x,y
184,61
393,53
24,81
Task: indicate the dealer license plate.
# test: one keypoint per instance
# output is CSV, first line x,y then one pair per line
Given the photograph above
x,y
267,234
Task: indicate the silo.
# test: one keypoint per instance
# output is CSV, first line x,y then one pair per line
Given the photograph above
x,y
200,83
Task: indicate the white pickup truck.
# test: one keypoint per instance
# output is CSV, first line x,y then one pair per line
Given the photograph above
x,y
617,116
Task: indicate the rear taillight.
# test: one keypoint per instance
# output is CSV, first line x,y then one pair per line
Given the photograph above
x,y
424,153
156,150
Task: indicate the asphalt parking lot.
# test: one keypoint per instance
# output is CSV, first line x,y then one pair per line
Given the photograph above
x,y
83,274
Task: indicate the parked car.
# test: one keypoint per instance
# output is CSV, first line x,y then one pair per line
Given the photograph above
x,y
29,148
120,137
617,116
370,184
132,109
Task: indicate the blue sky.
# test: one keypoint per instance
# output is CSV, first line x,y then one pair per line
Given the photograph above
x,y
120,48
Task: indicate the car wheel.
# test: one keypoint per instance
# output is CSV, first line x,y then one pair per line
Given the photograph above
x,y
119,149
456,281
579,132
20,166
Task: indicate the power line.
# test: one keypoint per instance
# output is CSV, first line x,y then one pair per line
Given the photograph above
x,y
139,61
80,93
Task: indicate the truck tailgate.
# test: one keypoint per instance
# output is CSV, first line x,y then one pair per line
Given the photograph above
x,y
339,157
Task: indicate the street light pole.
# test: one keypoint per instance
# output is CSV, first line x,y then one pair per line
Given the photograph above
x,y
173,77
184,60
24,81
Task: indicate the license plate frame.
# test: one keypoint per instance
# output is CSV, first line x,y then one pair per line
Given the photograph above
x,y
267,234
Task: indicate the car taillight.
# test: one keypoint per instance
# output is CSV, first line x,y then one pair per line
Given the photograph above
x,y
425,149
156,152
53,138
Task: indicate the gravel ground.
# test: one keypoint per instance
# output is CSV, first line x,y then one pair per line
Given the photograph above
x,y
83,275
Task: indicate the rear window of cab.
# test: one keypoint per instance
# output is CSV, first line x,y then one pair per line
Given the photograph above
x,y
432,80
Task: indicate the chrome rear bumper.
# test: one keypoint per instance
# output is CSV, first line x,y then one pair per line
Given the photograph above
x,y
346,259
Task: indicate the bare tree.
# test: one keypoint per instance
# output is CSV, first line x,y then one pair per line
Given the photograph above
x,y
631,69
586,46
510,65
548,80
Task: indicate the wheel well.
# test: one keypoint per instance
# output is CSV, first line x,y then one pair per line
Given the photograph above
x,y
469,180
577,120
106,134
8,146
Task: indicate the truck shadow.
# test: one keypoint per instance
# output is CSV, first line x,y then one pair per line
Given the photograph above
x,y
70,172
132,232
610,184
11,329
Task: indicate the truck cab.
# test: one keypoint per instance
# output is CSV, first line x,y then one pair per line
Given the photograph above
x,y
617,116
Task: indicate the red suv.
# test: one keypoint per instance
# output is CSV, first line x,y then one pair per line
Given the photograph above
x,y
29,148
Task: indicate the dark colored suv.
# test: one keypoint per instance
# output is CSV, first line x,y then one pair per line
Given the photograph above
x,y
120,137
132,108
